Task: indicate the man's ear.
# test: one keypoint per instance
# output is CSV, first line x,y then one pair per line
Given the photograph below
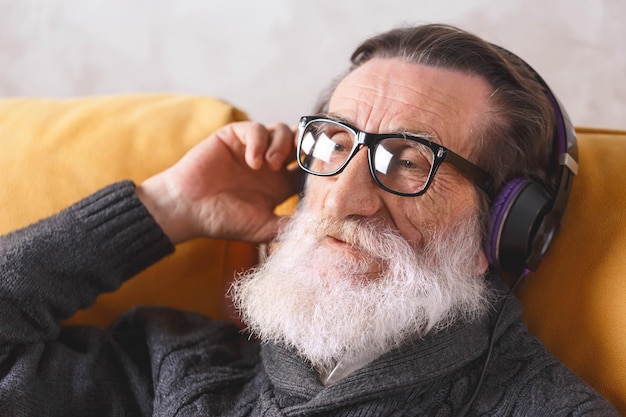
x,y
480,263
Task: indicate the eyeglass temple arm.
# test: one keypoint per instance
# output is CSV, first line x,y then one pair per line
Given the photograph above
x,y
471,171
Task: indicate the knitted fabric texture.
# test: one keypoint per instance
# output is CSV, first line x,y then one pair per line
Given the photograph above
x,y
165,362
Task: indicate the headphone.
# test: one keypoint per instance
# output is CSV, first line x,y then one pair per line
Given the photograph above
x,y
525,215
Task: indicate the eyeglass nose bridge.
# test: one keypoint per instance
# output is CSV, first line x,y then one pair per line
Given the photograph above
x,y
367,141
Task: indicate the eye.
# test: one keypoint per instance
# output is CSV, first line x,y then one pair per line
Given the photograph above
x,y
342,139
325,146
407,164
339,145
403,157
412,158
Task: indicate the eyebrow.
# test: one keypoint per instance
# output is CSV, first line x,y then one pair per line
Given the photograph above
x,y
402,131
337,117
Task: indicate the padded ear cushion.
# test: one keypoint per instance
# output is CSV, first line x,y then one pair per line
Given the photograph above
x,y
499,208
523,226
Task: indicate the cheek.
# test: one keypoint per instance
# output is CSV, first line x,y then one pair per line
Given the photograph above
x,y
314,192
415,222
423,218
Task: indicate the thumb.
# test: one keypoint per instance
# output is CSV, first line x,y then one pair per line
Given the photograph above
x,y
274,226
282,221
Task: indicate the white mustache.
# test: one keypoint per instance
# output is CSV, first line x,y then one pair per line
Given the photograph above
x,y
358,232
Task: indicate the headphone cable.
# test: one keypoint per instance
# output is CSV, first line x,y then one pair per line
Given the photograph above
x,y
492,339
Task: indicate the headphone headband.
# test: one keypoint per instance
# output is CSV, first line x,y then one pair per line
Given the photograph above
x,y
526,214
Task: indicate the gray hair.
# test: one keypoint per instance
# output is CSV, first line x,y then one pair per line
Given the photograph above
x,y
515,138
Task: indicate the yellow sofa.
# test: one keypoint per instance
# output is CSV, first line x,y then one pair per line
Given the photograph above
x,y
53,152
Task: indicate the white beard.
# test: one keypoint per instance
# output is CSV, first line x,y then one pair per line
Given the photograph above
x,y
322,302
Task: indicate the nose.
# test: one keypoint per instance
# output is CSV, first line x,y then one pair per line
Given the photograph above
x,y
353,192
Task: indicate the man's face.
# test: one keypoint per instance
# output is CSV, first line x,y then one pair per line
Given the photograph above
x,y
358,271
391,95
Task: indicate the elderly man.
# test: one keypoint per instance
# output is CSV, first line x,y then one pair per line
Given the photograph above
x,y
378,298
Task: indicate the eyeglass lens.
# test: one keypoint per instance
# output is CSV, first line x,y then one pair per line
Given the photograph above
x,y
399,164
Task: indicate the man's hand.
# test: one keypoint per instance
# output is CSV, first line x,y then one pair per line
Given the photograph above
x,y
227,186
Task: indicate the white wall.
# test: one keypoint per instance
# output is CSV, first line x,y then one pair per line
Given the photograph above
x,y
272,57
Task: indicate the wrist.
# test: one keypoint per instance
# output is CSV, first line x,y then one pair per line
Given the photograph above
x,y
164,207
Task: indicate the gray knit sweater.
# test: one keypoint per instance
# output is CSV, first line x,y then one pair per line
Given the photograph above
x,y
162,362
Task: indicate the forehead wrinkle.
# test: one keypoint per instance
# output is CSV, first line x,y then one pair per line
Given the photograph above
x,y
397,131
432,91
377,101
442,100
378,91
407,119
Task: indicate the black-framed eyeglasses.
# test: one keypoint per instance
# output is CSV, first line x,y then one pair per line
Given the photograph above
x,y
400,163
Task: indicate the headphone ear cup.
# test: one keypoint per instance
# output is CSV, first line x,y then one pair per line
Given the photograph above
x,y
499,209
521,229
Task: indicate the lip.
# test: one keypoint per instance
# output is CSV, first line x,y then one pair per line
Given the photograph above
x,y
335,241
338,245
349,250
344,247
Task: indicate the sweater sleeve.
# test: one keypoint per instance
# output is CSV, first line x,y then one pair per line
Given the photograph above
x,y
61,264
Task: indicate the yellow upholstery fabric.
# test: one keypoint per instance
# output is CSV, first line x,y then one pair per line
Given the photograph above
x,y
54,152
576,301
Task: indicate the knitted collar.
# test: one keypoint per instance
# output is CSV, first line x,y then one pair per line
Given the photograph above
x,y
417,362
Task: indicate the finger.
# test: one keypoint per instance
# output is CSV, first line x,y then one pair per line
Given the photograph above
x,y
257,139
282,222
271,228
280,147
253,137
294,131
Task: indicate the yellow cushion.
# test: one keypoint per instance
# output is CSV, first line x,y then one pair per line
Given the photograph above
x,y
54,152
576,301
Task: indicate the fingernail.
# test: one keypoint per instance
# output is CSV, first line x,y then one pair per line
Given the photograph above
x,y
275,160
